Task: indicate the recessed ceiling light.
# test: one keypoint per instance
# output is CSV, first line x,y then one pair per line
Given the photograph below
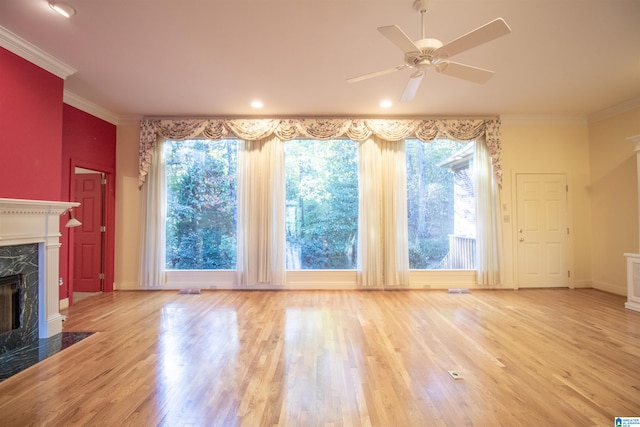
x,y
257,104
386,103
62,8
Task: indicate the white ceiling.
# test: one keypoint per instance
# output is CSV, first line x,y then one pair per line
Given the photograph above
x,y
213,57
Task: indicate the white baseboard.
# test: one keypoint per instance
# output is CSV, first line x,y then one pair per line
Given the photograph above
x,y
338,280
127,286
582,284
611,288
308,280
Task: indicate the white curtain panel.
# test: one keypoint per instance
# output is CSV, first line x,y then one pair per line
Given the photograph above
x,y
261,251
488,221
370,241
383,255
395,221
153,233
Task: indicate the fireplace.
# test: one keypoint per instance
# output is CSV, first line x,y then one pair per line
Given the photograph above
x,y
19,297
10,306
29,249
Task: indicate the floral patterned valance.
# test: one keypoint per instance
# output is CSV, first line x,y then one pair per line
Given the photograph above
x,y
323,129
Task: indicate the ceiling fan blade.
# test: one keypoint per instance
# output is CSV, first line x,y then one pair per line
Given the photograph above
x,y
412,86
465,72
376,74
492,30
396,36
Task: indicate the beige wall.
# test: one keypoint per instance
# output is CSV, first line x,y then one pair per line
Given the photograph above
x,y
614,198
127,207
558,147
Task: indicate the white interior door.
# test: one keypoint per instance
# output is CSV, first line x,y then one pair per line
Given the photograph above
x,y
542,230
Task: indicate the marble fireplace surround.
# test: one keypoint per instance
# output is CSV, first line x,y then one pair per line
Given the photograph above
x,y
38,221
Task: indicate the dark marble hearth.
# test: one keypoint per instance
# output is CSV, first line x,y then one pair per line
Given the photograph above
x,y
19,359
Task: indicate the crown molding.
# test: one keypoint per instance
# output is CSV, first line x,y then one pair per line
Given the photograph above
x,y
34,54
615,110
542,120
89,107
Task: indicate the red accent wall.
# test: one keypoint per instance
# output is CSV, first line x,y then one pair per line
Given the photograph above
x,y
41,139
87,142
30,130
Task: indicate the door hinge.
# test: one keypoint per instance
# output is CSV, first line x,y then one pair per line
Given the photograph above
x,y
568,273
103,228
103,181
567,230
101,276
566,187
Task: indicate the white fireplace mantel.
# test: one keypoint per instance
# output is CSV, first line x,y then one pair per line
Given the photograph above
x,y
38,221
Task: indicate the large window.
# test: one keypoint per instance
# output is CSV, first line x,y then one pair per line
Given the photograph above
x,y
201,204
440,204
322,204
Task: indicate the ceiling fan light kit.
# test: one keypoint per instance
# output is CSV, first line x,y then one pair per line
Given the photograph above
x,y
432,53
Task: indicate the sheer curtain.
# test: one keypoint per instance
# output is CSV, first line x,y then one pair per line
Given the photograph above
x,y
153,233
488,223
383,255
261,251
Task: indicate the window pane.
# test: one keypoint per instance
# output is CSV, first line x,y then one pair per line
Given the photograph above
x,y
441,204
201,204
322,204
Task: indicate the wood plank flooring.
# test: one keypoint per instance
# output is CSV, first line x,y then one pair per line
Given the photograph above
x,y
553,357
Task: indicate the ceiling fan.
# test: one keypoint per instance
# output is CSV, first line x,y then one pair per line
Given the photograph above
x,y
432,53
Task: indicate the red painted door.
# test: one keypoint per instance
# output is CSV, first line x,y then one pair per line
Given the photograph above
x,y
87,238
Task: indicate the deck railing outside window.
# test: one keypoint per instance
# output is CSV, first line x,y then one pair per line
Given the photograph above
x,y
462,253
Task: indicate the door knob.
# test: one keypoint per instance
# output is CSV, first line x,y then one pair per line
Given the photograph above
x,y
522,239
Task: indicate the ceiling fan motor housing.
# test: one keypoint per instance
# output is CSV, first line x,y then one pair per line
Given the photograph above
x,y
425,57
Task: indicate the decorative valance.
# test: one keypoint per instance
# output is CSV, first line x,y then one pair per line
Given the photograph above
x,y
323,129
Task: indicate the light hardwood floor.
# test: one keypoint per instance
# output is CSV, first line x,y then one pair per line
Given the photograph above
x,y
337,358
